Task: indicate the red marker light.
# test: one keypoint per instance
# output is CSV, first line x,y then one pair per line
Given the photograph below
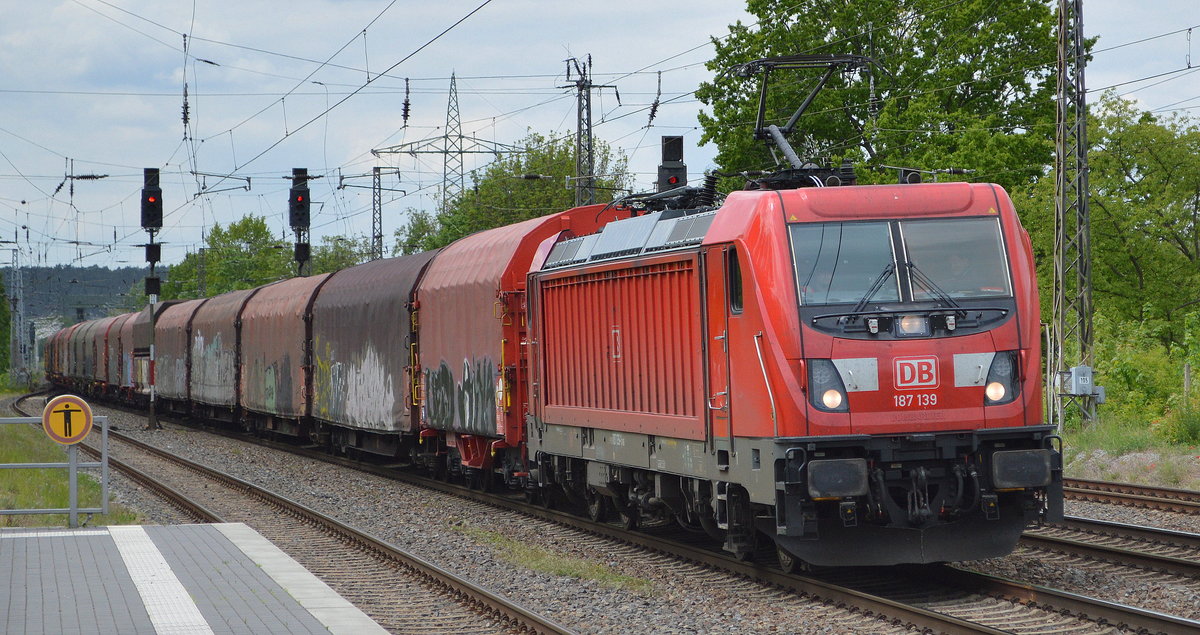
x,y
151,199
299,198
672,180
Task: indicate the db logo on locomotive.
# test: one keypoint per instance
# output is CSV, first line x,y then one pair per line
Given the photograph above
x,y
916,372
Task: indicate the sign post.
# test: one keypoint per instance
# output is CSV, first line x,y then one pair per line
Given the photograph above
x,y
67,420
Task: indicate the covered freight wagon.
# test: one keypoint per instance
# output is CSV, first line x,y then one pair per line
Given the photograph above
x,y
78,343
364,351
115,353
99,352
275,353
172,352
473,331
215,353
125,342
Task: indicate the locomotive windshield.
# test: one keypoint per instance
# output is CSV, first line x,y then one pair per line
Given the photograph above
x,y
889,261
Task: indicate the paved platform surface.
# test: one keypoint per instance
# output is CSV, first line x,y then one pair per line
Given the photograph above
x,y
185,579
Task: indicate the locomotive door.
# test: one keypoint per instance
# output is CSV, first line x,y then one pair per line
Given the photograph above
x,y
716,307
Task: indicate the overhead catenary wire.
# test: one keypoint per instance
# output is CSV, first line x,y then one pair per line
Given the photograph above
x,y
673,100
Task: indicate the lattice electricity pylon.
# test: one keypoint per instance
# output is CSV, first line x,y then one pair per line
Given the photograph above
x,y
376,213
452,145
452,166
1070,357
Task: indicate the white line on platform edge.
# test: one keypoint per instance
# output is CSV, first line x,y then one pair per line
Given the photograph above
x,y
171,609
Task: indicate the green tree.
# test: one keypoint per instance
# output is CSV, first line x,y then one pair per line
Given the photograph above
x,y
419,233
338,252
501,194
241,256
1144,179
967,84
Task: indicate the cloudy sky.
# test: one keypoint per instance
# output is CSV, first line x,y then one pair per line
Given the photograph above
x,y
95,88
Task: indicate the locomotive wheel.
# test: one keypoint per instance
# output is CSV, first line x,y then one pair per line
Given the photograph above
x,y
548,496
598,505
629,516
788,562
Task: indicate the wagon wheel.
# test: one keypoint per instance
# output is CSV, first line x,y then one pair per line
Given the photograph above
x,y
598,505
439,470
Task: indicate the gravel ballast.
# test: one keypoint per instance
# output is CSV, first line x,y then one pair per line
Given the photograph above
x,y
655,594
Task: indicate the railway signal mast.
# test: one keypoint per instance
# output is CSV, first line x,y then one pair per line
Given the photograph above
x,y
152,217
1071,332
299,207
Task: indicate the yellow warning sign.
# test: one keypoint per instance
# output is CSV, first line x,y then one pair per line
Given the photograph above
x,y
67,419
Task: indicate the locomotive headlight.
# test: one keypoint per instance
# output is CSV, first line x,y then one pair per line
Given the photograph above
x,y
826,390
1002,385
912,325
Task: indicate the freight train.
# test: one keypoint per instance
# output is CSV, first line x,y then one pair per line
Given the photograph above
x,y
849,371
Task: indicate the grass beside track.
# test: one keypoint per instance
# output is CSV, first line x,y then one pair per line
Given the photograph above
x,y
545,561
45,488
1130,452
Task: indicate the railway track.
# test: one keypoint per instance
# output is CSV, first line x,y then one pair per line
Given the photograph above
x,y
955,601
419,596
1160,550
1164,498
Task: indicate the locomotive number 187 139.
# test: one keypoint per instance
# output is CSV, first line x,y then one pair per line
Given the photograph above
x,y
919,399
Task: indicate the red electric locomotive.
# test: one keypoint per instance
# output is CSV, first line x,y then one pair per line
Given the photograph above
x,y
851,370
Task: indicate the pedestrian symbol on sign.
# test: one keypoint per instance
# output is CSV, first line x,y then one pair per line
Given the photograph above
x,y
67,419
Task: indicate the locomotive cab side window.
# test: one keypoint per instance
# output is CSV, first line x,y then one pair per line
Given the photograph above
x,y
733,281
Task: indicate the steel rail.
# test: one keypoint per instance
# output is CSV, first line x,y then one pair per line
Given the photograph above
x,y
1123,616
172,496
1141,620
868,604
1120,555
1171,499
523,618
1136,532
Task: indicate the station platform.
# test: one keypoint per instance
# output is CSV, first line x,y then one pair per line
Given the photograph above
x,y
184,579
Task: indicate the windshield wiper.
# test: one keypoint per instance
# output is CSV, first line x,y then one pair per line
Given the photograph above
x,y
875,287
934,290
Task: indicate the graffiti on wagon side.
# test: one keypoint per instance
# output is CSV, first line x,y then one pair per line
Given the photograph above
x,y
468,405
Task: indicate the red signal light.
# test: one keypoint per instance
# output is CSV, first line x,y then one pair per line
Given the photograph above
x,y
673,180
151,199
